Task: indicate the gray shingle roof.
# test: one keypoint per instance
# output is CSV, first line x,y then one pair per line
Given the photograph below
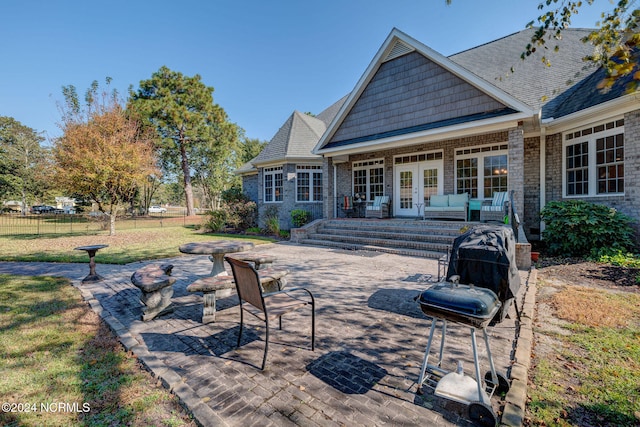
x,y
246,168
532,82
586,94
298,136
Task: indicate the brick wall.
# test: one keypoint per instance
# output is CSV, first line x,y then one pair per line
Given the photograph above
x,y
289,202
250,186
531,214
629,204
516,164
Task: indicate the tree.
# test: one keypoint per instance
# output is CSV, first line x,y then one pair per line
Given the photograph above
x,y
104,153
251,147
194,132
23,167
616,38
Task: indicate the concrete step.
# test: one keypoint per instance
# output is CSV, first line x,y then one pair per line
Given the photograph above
x,y
393,243
386,234
430,227
428,239
364,247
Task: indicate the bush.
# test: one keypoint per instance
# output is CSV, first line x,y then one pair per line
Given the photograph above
x,y
236,211
216,221
615,257
300,217
240,214
272,220
575,227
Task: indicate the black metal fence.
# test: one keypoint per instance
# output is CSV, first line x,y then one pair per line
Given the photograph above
x,y
16,224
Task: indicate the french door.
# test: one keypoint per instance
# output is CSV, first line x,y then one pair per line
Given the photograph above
x,y
415,183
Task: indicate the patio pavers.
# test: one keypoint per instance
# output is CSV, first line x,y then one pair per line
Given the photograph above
x,y
370,341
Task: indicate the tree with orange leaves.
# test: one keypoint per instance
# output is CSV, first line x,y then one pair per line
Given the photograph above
x,y
104,154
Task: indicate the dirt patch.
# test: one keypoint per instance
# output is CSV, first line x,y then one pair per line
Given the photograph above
x,y
576,271
574,290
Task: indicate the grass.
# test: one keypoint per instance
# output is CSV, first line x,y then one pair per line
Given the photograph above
x,y
61,365
55,350
126,246
594,379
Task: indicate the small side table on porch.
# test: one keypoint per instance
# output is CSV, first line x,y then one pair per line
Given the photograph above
x,y
91,250
474,209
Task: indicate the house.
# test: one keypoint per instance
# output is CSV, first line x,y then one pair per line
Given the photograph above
x,y
286,175
418,123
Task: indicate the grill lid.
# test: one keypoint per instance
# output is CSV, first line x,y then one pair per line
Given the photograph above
x,y
460,303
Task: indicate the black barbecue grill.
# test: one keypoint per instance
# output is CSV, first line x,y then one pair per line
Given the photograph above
x,y
482,281
485,256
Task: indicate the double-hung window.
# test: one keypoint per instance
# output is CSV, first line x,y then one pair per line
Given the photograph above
x,y
273,184
309,184
593,160
482,171
368,178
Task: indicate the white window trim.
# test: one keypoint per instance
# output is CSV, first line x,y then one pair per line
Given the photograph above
x,y
429,156
312,170
593,167
273,171
495,149
367,165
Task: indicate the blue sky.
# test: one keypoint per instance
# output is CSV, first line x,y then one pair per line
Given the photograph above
x,y
265,59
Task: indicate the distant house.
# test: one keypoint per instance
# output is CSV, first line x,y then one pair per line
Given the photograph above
x,y
286,175
418,123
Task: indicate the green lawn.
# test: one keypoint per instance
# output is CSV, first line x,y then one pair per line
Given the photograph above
x,y
61,365
126,246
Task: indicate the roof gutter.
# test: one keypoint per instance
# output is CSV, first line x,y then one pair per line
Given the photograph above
x,y
615,107
431,135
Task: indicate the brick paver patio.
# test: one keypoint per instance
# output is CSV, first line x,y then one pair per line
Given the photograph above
x,y
370,341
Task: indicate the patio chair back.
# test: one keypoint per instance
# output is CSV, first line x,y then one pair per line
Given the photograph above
x,y
348,203
378,201
267,306
497,203
247,283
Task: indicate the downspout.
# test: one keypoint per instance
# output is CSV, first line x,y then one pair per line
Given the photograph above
x,y
335,190
543,175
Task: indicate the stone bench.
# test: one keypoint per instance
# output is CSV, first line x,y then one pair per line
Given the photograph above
x,y
156,284
212,287
259,260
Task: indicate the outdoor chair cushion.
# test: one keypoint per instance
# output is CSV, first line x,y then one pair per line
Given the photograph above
x,y
378,202
347,204
458,200
439,201
497,203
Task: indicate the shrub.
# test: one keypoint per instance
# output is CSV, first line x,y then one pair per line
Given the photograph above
x,y
300,217
237,211
272,220
216,221
615,257
240,214
575,227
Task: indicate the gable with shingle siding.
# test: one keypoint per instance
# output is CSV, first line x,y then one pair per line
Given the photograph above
x,y
410,91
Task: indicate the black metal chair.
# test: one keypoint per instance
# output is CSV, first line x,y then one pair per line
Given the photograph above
x,y
267,306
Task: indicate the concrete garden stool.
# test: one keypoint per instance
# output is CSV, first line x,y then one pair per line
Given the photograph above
x,y
157,289
259,260
212,286
273,279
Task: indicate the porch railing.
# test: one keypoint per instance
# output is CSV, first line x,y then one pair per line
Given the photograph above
x,y
514,218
